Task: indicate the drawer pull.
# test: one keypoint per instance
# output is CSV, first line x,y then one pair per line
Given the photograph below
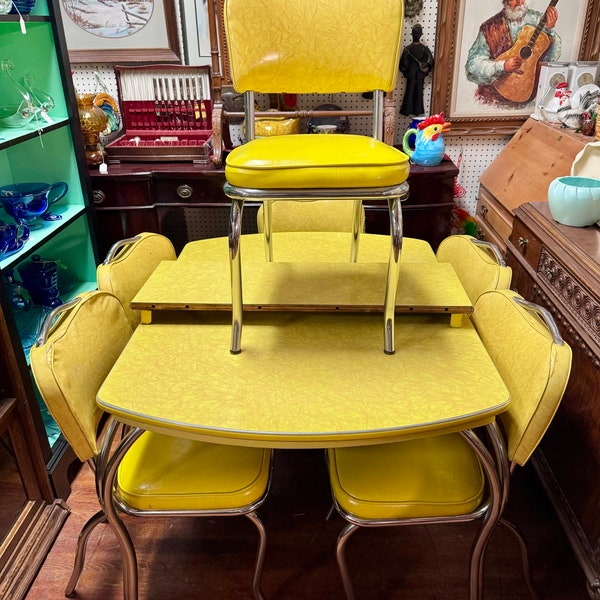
x,y
184,191
480,234
98,196
522,241
484,211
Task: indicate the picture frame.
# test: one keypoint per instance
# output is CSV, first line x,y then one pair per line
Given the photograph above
x,y
454,95
147,35
196,32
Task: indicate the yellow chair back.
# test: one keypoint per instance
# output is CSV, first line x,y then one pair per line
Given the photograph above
x,y
317,215
534,367
478,269
74,359
129,264
310,46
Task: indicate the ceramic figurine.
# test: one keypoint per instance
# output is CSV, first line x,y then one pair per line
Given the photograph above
x,y
429,143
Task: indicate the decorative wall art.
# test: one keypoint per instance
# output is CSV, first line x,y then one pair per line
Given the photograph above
x,y
472,43
112,31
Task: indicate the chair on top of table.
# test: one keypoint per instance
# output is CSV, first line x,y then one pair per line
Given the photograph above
x,y
478,264
129,263
305,48
441,479
157,475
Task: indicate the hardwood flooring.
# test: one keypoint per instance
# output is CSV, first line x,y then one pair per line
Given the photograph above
x,y
211,559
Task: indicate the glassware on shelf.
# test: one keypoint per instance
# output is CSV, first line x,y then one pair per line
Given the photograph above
x,y
23,7
18,108
93,121
28,202
40,279
12,237
5,6
44,101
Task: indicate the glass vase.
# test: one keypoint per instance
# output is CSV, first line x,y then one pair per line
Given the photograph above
x,y
93,120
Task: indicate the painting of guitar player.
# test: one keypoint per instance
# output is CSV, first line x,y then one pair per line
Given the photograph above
x,y
500,45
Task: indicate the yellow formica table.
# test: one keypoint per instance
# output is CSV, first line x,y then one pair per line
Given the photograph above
x,y
303,380
320,279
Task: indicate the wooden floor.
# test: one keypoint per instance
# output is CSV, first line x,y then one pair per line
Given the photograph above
x,y
211,559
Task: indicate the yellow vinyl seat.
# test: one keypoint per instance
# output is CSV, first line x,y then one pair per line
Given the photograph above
x,y
129,263
478,264
291,47
150,474
441,479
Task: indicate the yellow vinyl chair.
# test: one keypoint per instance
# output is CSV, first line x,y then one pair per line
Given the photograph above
x,y
129,263
445,479
307,220
150,475
478,264
311,47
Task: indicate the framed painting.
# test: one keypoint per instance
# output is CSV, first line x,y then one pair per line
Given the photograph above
x,y
470,83
196,31
111,31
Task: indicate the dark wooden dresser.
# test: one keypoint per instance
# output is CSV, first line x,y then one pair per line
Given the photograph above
x,y
186,202
559,267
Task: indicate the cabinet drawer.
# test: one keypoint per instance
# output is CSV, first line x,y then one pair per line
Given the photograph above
x,y
190,190
121,192
495,216
526,244
486,233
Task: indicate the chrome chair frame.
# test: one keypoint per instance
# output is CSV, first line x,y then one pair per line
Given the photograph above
x,y
394,195
105,466
498,469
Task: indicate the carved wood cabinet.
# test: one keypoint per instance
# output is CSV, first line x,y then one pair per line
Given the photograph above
x,y
558,267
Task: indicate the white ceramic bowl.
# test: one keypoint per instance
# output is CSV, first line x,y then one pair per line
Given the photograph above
x,y
575,200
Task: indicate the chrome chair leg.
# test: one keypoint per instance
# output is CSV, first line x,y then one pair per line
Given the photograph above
x,y
340,553
82,541
260,555
494,512
268,229
391,288
235,266
524,556
357,214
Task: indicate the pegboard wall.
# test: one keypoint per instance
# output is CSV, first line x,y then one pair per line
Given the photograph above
x,y
472,154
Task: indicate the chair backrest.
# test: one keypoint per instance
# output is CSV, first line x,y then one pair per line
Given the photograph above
x,y
533,361
71,360
317,215
310,46
479,265
128,265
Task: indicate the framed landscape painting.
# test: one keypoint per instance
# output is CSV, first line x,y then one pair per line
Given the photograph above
x,y
112,31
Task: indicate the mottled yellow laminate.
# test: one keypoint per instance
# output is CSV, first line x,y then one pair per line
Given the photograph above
x,y
193,285
303,380
309,246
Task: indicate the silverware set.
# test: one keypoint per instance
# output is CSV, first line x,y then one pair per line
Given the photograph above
x,y
169,100
179,102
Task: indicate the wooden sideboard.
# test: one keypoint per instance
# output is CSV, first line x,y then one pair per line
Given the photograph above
x,y
558,267
538,153
185,202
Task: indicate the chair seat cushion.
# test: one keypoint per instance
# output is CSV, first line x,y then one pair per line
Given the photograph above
x,y
312,161
161,472
428,477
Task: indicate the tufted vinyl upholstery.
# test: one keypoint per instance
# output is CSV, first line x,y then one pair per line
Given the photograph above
x,y
534,368
70,369
125,273
477,269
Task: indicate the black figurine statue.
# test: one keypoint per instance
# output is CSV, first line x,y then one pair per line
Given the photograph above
x,y
416,63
